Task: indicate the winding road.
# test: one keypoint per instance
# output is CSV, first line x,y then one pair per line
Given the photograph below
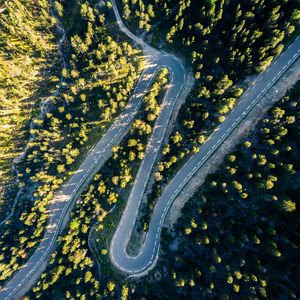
x,y
137,265
65,198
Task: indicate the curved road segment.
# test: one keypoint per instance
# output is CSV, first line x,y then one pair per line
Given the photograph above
x,y
64,199
137,265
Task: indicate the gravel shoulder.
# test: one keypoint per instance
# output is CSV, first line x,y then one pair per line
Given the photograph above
x,y
275,94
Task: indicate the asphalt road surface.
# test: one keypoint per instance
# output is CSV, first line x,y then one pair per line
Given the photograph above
x,y
65,198
137,265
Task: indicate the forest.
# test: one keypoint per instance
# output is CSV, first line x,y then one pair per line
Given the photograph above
x,y
228,50
98,79
236,238
73,270
28,74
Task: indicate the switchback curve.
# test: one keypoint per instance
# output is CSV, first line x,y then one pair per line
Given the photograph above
x,y
148,254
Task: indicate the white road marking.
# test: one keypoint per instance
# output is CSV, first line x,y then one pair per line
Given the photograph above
x,y
62,215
